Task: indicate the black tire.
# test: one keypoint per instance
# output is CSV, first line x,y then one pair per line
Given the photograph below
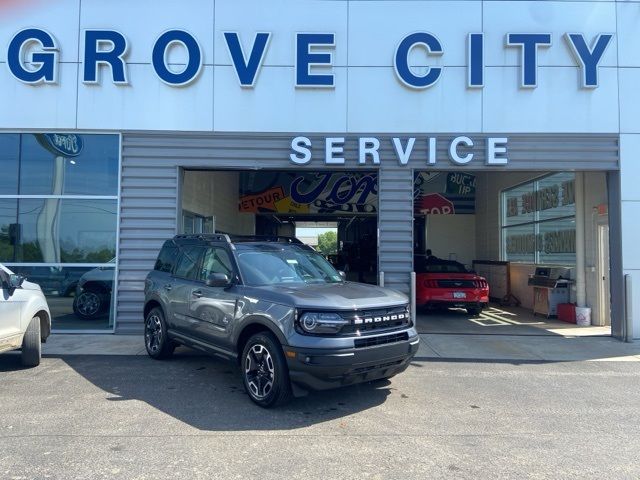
x,y
31,344
156,340
87,305
474,311
265,373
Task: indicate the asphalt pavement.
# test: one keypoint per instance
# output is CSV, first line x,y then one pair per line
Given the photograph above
x,y
130,417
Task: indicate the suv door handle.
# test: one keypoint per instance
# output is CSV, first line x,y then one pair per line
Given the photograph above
x,y
168,287
197,293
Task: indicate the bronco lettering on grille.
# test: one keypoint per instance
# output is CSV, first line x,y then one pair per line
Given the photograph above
x,y
386,318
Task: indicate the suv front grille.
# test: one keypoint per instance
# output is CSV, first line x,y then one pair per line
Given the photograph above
x,y
383,340
367,321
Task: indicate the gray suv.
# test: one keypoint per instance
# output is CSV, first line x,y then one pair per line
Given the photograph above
x,y
280,310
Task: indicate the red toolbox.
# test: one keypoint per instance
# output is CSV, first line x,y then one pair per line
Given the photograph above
x,y
567,312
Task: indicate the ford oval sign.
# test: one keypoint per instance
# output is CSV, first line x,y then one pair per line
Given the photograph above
x,y
67,145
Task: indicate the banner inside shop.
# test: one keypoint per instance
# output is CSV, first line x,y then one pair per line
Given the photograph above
x,y
332,193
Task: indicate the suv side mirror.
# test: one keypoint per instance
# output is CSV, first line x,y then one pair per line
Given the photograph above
x,y
343,275
218,280
16,281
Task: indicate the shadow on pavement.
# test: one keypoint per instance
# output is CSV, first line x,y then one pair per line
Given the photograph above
x,y
10,362
208,393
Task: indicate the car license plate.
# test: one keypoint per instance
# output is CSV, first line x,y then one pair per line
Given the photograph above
x,y
459,295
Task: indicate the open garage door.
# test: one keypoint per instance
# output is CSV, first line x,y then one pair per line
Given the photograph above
x,y
512,253
285,203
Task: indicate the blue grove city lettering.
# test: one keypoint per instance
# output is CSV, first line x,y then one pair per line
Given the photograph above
x,y
33,57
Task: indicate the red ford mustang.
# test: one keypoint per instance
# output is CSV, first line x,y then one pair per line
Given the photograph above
x,y
445,283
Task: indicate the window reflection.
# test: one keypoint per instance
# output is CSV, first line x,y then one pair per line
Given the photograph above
x,y
52,232
94,171
79,297
9,158
8,212
66,231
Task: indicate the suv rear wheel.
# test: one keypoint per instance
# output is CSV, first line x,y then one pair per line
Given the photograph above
x,y
264,371
156,340
31,346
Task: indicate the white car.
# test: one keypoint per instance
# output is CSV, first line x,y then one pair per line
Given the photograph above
x,y
25,320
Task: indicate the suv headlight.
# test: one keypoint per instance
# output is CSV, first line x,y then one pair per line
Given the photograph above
x,y
318,323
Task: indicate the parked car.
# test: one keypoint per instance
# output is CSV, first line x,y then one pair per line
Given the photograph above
x,y
25,320
60,281
93,293
280,310
445,284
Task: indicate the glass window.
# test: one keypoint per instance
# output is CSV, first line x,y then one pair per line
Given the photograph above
x,y
66,231
216,260
167,257
9,163
8,240
188,262
519,205
556,196
53,232
558,241
520,243
47,171
79,297
538,220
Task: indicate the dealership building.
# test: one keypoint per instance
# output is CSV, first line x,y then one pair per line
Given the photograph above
x,y
500,134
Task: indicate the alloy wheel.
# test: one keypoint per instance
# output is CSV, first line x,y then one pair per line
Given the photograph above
x,y
259,371
88,304
153,333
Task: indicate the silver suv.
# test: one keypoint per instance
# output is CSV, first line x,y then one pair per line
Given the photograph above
x,y
280,310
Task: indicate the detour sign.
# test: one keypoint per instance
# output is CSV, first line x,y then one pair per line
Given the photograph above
x,y
261,202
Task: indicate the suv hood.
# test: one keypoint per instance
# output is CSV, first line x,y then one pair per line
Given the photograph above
x,y
330,296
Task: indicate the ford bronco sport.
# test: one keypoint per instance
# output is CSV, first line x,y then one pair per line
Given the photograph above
x,y
279,309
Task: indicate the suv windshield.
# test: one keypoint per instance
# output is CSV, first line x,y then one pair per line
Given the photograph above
x,y
276,263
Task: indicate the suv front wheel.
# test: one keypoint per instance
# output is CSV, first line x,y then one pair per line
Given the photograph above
x,y
264,371
156,340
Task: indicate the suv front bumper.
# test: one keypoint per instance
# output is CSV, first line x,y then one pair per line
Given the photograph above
x,y
322,369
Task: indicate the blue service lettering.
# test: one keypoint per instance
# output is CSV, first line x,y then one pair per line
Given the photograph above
x,y
529,43
247,69
95,55
313,58
194,62
401,60
588,58
476,60
45,61
307,57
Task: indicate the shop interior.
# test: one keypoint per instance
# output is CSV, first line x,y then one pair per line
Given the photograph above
x,y
517,230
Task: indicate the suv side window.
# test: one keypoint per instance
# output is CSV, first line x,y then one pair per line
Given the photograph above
x,y
167,257
216,260
188,262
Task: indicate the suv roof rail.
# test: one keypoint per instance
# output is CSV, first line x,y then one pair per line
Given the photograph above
x,y
265,238
223,237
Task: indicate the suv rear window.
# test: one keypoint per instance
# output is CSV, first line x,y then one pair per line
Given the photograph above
x,y
189,262
167,257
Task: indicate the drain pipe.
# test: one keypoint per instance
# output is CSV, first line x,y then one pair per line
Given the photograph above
x,y
413,297
381,279
628,324
581,285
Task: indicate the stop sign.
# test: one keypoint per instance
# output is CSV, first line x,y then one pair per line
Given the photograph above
x,y
435,204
